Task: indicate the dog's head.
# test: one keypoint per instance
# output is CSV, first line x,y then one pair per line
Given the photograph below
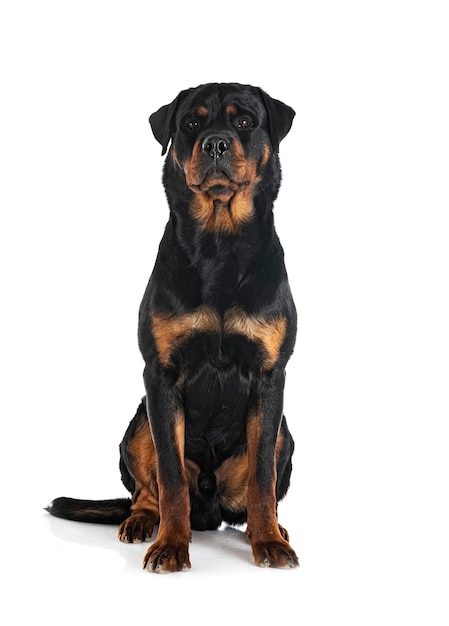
x,y
224,141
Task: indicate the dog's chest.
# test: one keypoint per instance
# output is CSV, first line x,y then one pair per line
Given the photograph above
x,y
202,334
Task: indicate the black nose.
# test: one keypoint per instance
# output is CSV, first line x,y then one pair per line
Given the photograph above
x,y
215,146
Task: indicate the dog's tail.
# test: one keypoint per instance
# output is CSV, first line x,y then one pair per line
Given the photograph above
x,y
93,511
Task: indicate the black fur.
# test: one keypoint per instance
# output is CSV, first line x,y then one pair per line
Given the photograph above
x,y
93,511
217,325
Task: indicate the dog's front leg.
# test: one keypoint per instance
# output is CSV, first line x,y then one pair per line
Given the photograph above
x,y
268,539
169,553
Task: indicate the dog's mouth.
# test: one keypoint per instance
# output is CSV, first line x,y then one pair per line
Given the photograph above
x,y
217,184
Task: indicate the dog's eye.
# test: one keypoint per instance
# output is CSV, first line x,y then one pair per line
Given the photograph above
x,y
244,122
192,124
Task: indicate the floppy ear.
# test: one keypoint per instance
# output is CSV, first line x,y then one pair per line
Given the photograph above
x,y
162,124
163,121
280,118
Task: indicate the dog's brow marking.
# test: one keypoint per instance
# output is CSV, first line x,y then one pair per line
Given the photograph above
x,y
170,330
202,111
231,109
270,333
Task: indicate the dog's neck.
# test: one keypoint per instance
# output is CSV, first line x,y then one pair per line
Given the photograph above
x,y
227,242
233,260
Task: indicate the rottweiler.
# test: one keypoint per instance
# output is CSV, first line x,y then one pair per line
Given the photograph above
x,y
217,324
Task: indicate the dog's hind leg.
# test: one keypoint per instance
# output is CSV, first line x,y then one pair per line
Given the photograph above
x,y
138,468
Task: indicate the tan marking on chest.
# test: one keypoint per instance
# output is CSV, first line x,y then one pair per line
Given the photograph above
x,y
169,331
269,333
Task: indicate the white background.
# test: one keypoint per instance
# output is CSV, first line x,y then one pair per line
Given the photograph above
x,y
362,215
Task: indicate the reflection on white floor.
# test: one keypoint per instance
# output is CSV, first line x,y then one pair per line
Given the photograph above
x,y
219,549
62,572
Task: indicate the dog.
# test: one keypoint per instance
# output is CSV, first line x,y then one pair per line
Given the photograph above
x,y
217,324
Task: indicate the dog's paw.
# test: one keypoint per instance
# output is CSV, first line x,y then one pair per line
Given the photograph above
x,y
165,557
137,528
278,554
